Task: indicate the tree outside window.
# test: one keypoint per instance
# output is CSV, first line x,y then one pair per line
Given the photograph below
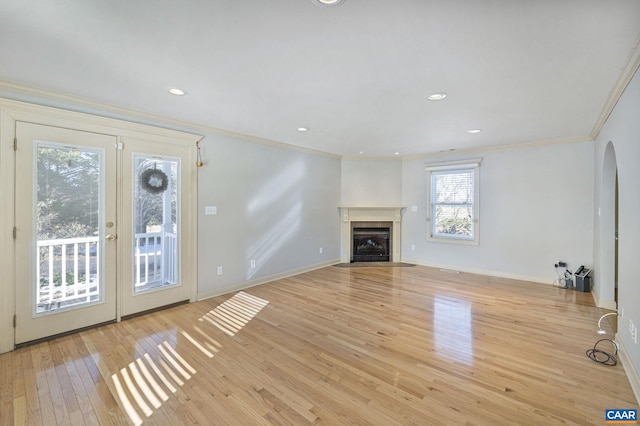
x,y
453,204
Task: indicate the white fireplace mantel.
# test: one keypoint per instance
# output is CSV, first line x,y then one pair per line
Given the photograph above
x,y
370,214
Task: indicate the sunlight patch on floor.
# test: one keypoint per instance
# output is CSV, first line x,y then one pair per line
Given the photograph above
x,y
141,385
231,316
143,388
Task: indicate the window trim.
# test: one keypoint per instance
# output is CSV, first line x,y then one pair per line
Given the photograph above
x,y
461,165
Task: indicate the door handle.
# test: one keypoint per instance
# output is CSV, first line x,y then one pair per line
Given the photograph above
x,y
111,237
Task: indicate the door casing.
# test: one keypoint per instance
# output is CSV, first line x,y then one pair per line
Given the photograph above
x,y
29,325
13,111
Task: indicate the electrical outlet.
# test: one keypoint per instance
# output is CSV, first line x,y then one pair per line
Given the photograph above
x,y
210,210
320,250
253,263
219,270
413,247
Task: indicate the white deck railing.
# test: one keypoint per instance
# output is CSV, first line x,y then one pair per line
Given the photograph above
x,y
154,261
68,270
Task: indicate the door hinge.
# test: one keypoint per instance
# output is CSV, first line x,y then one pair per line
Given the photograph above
x,y
15,232
120,146
14,320
15,144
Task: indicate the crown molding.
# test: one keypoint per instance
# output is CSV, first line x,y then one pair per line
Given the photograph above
x,y
482,150
18,110
629,70
476,151
81,105
369,158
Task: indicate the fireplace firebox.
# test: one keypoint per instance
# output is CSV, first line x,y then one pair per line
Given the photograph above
x,y
371,217
371,245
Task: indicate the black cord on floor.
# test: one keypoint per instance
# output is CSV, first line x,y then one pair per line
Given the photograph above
x,y
602,357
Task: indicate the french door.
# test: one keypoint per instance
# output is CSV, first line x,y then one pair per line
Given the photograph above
x,y
65,222
154,231
99,228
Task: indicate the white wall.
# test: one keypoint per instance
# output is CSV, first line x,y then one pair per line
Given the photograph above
x,y
371,183
276,206
279,206
622,129
536,208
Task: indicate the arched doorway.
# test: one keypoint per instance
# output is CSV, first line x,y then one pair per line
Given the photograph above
x,y
609,230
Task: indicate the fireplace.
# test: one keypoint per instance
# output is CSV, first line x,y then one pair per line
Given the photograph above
x,y
371,244
371,234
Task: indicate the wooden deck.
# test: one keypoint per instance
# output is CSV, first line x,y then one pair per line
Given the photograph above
x,y
374,346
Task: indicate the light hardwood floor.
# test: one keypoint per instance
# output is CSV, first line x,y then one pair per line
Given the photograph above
x,y
374,346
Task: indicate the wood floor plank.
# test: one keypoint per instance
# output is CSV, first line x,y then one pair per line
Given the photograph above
x,y
371,345
6,391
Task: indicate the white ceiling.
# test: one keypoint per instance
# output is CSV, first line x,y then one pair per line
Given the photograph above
x,y
357,76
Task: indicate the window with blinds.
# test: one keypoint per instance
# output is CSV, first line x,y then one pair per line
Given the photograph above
x,y
453,203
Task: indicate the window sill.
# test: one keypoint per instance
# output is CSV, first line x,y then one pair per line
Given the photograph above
x,y
456,241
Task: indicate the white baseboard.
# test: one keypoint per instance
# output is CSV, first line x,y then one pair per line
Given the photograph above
x,y
595,295
632,373
498,274
603,303
263,280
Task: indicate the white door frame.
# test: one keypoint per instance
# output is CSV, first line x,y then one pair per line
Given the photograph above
x,y
606,275
129,302
12,111
31,325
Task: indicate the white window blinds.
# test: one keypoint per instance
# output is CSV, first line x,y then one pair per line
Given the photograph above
x,y
452,204
453,201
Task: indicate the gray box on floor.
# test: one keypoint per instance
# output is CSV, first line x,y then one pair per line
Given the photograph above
x,y
583,280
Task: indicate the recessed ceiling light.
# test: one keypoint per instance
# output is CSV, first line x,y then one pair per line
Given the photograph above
x,y
437,96
303,129
361,152
176,91
325,3
396,153
473,131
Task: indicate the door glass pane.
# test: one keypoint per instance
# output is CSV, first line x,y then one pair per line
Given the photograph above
x,y
68,208
156,215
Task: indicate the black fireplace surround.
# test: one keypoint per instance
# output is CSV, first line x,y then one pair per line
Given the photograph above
x,y
371,245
